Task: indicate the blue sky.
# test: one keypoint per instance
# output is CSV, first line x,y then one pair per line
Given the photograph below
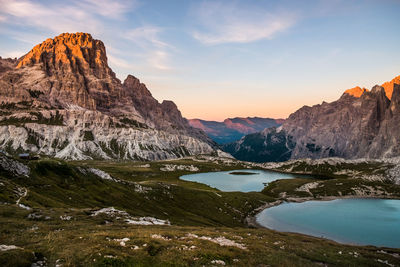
x,y
219,59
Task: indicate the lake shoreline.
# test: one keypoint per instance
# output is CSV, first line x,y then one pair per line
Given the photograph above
x,y
252,219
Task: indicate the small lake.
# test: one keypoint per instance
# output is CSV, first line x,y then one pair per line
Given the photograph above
x,y
229,181
354,221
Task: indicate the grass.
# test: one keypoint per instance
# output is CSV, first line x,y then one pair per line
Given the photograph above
x,y
58,188
85,241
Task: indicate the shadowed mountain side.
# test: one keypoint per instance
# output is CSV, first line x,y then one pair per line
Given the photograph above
x,y
231,130
360,124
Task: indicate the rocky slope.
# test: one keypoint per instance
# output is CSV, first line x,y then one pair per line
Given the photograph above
x,y
361,124
62,99
233,129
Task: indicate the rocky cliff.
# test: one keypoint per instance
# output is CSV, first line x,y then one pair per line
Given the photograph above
x,y
233,129
361,124
62,99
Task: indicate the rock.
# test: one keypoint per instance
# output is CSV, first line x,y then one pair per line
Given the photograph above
x,y
67,102
360,124
231,130
356,91
13,167
389,86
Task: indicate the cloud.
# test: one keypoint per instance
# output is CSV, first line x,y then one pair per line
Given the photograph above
x,y
146,35
118,62
159,60
109,8
67,17
155,51
230,23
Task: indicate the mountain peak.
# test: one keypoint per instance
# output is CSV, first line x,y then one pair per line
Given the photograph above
x,y
69,52
390,85
356,91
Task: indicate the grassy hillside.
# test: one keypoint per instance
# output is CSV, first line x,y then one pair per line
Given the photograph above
x,y
56,219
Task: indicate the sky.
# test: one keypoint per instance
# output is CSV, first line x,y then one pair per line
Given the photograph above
x,y
219,59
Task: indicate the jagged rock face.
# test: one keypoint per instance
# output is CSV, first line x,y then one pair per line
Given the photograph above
x,y
344,128
361,124
73,70
161,116
63,99
7,64
356,91
86,134
389,86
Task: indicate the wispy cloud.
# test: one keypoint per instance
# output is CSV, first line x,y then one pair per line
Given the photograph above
x,y
159,59
233,23
145,36
118,62
109,8
155,51
57,17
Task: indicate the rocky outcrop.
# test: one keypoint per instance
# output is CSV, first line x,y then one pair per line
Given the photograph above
x,y
389,86
361,124
62,99
233,129
356,91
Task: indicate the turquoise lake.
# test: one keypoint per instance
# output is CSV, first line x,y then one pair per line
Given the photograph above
x,y
225,181
354,221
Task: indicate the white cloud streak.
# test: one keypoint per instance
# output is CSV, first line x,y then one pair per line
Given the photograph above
x,y
56,17
230,23
146,35
155,51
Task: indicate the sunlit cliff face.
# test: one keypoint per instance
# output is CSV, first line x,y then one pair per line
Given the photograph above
x,y
388,86
68,52
356,91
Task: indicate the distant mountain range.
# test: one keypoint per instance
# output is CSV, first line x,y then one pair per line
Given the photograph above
x,y
231,130
360,124
62,99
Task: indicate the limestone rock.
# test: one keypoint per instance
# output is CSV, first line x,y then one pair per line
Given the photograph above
x,y
62,99
360,124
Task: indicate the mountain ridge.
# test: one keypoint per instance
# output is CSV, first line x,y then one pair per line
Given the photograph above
x,y
67,102
232,129
360,124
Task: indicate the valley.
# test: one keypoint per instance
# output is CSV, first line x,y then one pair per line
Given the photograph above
x,y
105,213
